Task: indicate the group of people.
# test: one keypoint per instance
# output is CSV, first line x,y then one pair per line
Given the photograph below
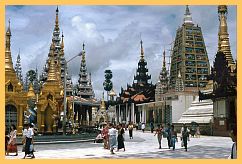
x,y
171,134
27,141
113,136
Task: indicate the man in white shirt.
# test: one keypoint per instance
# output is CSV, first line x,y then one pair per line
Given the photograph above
x,y
29,141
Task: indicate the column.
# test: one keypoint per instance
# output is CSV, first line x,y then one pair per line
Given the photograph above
x,y
132,113
143,115
126,112
120,116
20,120
87,117
140,115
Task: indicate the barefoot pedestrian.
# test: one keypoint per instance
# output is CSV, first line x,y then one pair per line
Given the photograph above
x,y
105,137
173,137
120,138
112,138
12,145
131,127
185,136
168,134
159,132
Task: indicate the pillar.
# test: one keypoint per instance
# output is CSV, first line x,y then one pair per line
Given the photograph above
x,y
132,113
126,112
20,119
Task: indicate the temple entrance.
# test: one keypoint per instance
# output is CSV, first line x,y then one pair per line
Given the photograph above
x,y
10,116
48,119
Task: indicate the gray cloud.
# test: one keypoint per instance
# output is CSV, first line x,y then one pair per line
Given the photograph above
x,y
111,34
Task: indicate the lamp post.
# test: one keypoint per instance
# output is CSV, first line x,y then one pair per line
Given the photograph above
x,y
64,116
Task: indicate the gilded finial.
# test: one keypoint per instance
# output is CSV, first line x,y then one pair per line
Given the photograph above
x,y
8,30
83,53
57,20
142,50
187,10
83,46
188,16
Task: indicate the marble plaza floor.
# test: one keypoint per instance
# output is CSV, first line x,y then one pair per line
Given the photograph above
x,y
144,145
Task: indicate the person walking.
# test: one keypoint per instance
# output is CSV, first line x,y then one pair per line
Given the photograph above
x,y
105,137
151,127
112,138
143,127
12,145
24,132
173,137
197,134
159,132
168,134
185,136
29,142
131,127
120,138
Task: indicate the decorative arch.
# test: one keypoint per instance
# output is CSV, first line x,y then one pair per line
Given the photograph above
x,y
10,87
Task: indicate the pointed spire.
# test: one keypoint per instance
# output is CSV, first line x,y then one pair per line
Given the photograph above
x,y
223,36
164,59
62,41
8,57
36,71
188,17
103,106
83,46
8,30
187,10
83,53
57,19
18,68
52,71
142,50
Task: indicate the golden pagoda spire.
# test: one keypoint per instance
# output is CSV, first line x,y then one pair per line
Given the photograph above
x,y
103,107
8,57
52,71
142,50
223,36
31,93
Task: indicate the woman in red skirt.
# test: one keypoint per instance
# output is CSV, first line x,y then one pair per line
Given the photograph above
x,y
12,145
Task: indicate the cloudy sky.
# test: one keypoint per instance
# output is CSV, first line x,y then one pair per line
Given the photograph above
x,y
112,36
